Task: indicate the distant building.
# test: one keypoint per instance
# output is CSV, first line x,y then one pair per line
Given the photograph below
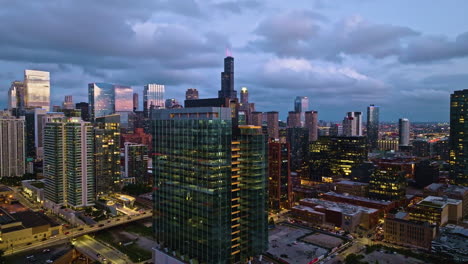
x,y
437,210
84,107
336,130
12,146
172,103
136,162
191,94
352,124
101,99
68,102
227,80
458,137
297,137
451,191
69,162
311,123
387,144
138,136
410,233
279,180
373,126
41,118
387,185
257,118
421,148
123,98
37,89
403,132
153,97
16,95
425,173
294,119
136,103
272,125
352,188
301,105
383,206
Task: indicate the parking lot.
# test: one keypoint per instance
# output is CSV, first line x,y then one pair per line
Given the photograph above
x,y
284,244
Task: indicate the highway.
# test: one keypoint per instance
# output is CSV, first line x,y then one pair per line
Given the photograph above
x,y
92,247
79,231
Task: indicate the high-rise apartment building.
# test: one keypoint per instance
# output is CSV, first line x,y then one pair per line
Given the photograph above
x,y
403,132
101,98
107,154
12,146
459,136
273,125
37,89
135,102
257,119
294,119
301,105
311,123
373,126
136,162
352,124
210,192
153,97
279,176
41,118
191,94
69,162
227,80
68,102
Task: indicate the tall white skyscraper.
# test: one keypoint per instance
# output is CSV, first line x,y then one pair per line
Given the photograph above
x,y
153,97
301,105
352,124
12,146
404,131
37,89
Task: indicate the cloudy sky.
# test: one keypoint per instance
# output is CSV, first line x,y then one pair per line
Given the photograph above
x,y
405,56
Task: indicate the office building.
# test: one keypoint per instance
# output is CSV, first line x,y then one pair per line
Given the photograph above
x,y
273,125
191,94
153,97
123,98
352,188
138,136
336,130
37,89
68,102
294,119
421,148
84,107
455,192
12,146
245,107
69,162
387,144
136,162
135,102
352,124
410,233
389,185
172,103
437,210
373,126
107,154
279,176
403,132
301,105
210,193
459,137
16,98
297,137
101,98
311,123
335,157
227,80
257,119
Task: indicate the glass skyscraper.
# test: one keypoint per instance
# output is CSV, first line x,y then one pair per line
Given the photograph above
x,y
403,132
123,98
301,105
227,80
373,126
101,99
153,97
37,89
210,191
459,136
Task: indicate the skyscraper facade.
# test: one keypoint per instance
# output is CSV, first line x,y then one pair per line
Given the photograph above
x,y
135,102
279,176
294,119
69,162
210,193
298,138
352,124
227,80
403,131
389,185
136,162
68,102
257,119
123,98
301,105
101,98
41,118
459,136
311,123
272,125
12,146
37,89
373,126
107,154
84,107
191,94
153,97
16,97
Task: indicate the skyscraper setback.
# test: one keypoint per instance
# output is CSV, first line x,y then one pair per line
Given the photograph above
x,y
459,136
373,126
227,80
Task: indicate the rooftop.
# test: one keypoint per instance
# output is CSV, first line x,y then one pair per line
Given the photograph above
x,y
307,208
353,183
364,199
340,207
440,202
33,219
453,189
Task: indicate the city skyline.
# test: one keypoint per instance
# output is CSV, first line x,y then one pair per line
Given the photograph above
x,y
402,58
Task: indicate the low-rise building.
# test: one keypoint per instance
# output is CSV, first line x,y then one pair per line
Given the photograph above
x,y
437,210
25,227
352,188
457,192
400,230
382,206
33,189
308,214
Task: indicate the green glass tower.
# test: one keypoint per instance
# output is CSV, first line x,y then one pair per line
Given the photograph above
x,y
210,191
459,137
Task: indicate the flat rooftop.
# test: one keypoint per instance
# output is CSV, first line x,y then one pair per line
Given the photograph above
x,y
358,198
32,219
439,202
345,208
447,188
352,183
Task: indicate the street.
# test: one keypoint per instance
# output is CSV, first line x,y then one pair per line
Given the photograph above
x,y
92,248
